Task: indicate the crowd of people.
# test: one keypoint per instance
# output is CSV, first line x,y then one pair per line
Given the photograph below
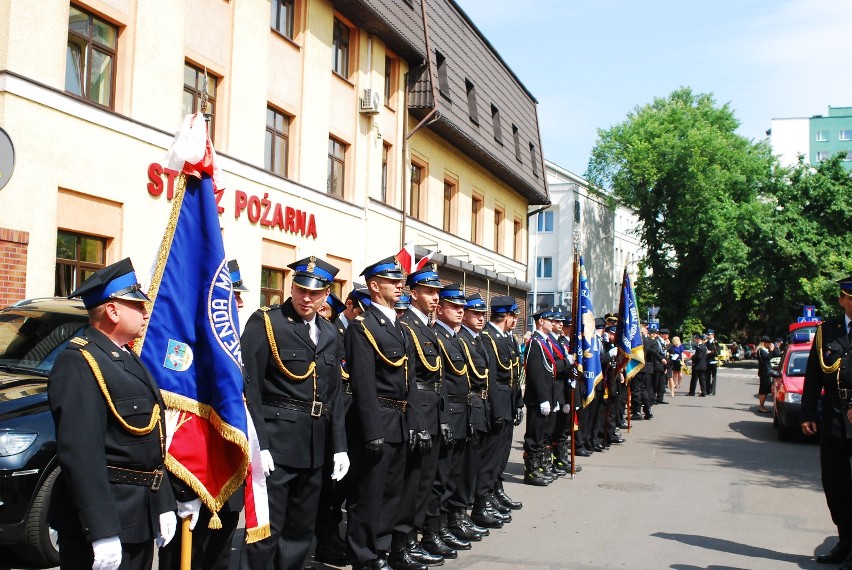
x,y
398,410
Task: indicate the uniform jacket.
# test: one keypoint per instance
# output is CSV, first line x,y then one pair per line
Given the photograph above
x,y
501,354
540,384
294,438
654,355
699,358
455,385
372,377
836,345
477,365
712,353
89,438
430,407
345,389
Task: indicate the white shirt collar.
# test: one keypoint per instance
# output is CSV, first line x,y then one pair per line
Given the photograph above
x,y
419,314
343,320
389,312
493,326
446,326
471,331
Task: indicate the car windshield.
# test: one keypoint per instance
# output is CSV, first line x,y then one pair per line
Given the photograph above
x,y
797,363
30,341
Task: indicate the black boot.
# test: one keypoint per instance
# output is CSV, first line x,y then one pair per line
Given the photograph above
x,y
532,476
399,558
418,554
432,542
493,508
498,505
482,530
457,525
545,462
331,550
449,538
506,499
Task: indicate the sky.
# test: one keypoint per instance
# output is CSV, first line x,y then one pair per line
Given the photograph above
x,y
589,63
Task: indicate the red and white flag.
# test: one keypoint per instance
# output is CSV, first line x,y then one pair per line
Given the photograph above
x,y
406,257
424,260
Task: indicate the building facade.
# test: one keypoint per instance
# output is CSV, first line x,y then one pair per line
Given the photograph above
x,y
345,129
816,138
605,240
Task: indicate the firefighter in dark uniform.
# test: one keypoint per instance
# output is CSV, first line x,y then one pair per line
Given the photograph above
x,y
566,384
380,360
450,491
829,368
614,384
113,496
502,350
424,286
712,361
542,367
483,445
291,356
330,547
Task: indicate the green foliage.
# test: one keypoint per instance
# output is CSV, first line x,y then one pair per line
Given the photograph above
x,y
733,240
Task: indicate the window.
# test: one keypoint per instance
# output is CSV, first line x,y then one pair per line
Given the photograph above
x,y
277,144
499,216
471,101
495,120
282,17
822,155
476,218
386,150
545,221
77,257
845,135
544,267
417,179
516,137
90,59
336,167
577,211
449,203
534,160
340,48
443,83
389,86
194,89
822,136
518,242
847,157
271,287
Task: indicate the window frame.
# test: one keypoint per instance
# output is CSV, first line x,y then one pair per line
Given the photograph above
x,y
516,137
443,79
415,198
334,160
275,18
542,263
822,155
90,43
844,135
267,292
499,235
76,266
451,190
477,215
534,160
472,107
340,51
495,122
272,133
517,231
543,221
386,155
822,135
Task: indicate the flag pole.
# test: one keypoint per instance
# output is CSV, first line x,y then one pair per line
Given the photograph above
x,y
575,306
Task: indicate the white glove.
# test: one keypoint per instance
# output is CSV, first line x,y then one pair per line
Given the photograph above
x,y
613,352
573,384
107,553
168,526
545,408
566,408
190,509
571,358
266,462
341,466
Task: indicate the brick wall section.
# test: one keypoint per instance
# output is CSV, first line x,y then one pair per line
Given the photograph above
x,y
13,265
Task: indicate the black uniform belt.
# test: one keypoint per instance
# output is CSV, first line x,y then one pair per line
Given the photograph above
x,y
844,393
459,399
479,394
150,479
316,409
392,404
347,388
507,382
429,386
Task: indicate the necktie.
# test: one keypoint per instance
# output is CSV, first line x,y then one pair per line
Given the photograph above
x,y
850,328
313,331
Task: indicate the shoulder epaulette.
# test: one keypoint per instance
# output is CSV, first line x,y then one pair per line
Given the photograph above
x,y
359,318
78,342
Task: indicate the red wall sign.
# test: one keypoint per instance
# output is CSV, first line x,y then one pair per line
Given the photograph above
x,y
258,210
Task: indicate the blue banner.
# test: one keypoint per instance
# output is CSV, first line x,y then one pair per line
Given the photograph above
x,y
588,343
628,337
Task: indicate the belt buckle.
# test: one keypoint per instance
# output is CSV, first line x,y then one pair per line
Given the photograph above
x,y
158,478
316,409
404,404
483,394
843,393
437,388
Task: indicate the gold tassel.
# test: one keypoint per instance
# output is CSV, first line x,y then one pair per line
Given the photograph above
x,y
257,534
215,522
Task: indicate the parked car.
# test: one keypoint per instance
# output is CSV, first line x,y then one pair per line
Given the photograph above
x,y
32,334
787,389
737,352
724,354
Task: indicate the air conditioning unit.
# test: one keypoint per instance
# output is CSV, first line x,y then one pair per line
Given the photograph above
x,y
371,102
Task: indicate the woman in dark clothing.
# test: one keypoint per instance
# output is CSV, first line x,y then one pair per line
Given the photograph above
x,y
765,373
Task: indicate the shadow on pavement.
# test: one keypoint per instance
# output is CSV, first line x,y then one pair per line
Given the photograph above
x,y
722,545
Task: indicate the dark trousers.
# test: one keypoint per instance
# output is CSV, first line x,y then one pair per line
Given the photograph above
x,y
445,493
505,450
75,553
492,458
659,385
471,463
699,376
536,428
425,507
373,501
834,457
211,549
293,497
410,485
641,401
712,370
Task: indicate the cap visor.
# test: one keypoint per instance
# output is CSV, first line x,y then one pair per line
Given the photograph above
x,y
311,283
133,296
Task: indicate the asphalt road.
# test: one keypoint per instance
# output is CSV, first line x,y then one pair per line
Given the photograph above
x,y
703,485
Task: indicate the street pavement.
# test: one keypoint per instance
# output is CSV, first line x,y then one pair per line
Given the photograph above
x,y
703,485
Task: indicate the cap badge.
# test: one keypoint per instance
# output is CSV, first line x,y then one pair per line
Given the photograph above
x,y
312,264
